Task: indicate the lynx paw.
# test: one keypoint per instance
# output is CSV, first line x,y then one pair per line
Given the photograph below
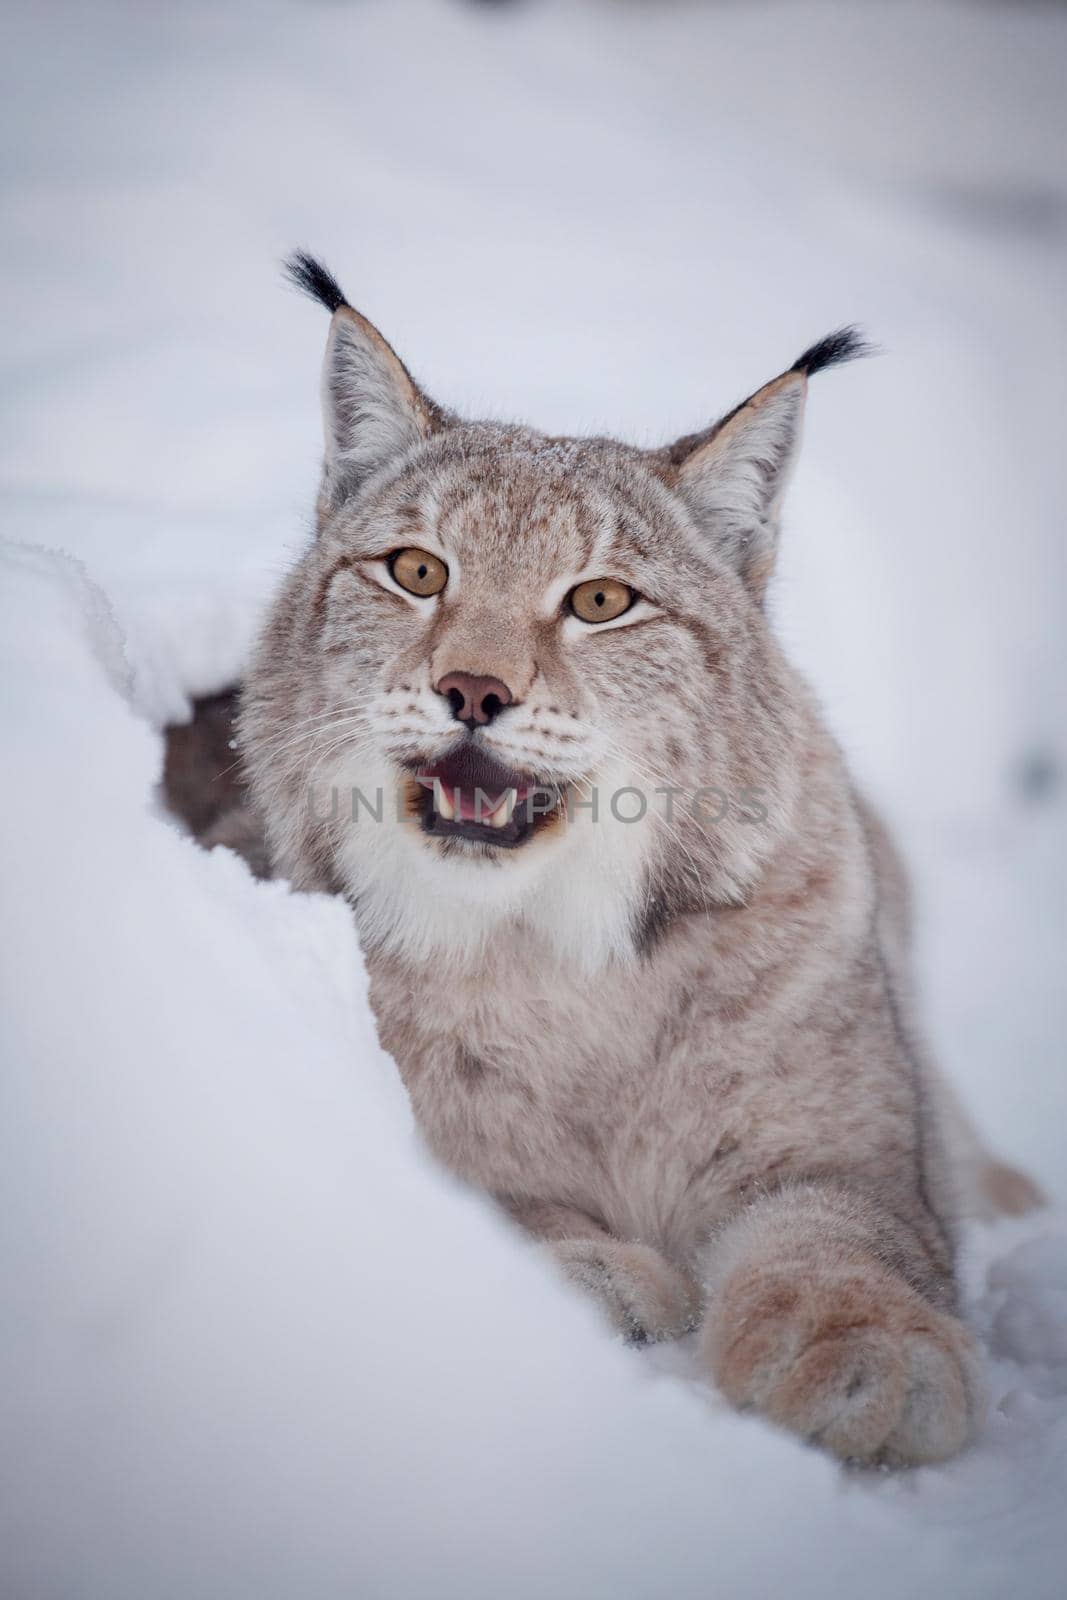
x,y
856,1362
645,1298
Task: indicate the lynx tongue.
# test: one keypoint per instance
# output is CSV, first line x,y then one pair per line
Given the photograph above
x,y
470,786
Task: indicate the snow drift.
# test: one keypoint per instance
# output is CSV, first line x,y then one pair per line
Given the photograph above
x,y
252,1341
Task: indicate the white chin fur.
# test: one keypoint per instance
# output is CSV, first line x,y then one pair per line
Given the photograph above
x,y
577,886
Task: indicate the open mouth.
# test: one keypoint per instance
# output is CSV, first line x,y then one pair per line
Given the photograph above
x,y
468,794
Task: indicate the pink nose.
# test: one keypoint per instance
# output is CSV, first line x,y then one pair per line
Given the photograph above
x,y
473,700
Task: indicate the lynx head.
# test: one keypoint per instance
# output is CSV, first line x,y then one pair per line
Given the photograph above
x,y
519,680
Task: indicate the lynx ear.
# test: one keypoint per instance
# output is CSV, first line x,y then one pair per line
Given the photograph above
x,y
733,476
372,408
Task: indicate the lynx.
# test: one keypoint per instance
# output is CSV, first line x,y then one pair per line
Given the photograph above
x,y
636,943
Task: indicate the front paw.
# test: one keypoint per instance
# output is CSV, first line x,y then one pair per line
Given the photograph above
x,y
644,1296
852,1360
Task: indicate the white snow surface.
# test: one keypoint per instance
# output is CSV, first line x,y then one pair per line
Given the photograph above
x,y
252,1342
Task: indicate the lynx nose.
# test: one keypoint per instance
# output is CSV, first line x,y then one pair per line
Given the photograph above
x,y
473,700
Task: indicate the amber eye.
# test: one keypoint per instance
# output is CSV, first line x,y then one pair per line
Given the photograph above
x,y
418,571
601,599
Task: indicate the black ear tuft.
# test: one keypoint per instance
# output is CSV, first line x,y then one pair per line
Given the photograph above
x,y
846,344
312,277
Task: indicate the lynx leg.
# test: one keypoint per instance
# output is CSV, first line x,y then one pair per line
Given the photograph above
x,y
808,1322
643,1295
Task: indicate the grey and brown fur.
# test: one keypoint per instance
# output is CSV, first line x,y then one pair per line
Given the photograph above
x,y
680,1052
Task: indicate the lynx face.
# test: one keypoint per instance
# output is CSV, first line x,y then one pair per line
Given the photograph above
x,y
524,677
563,649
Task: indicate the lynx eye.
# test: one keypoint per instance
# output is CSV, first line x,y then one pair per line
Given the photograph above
x,y
418,571
601,599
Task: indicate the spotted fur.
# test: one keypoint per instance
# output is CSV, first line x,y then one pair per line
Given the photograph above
x,y
680,1051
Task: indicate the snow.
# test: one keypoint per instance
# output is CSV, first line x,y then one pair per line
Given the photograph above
x,y
252,1342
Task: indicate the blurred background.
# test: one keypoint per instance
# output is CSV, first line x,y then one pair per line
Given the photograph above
x,y
596,216
252,1343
